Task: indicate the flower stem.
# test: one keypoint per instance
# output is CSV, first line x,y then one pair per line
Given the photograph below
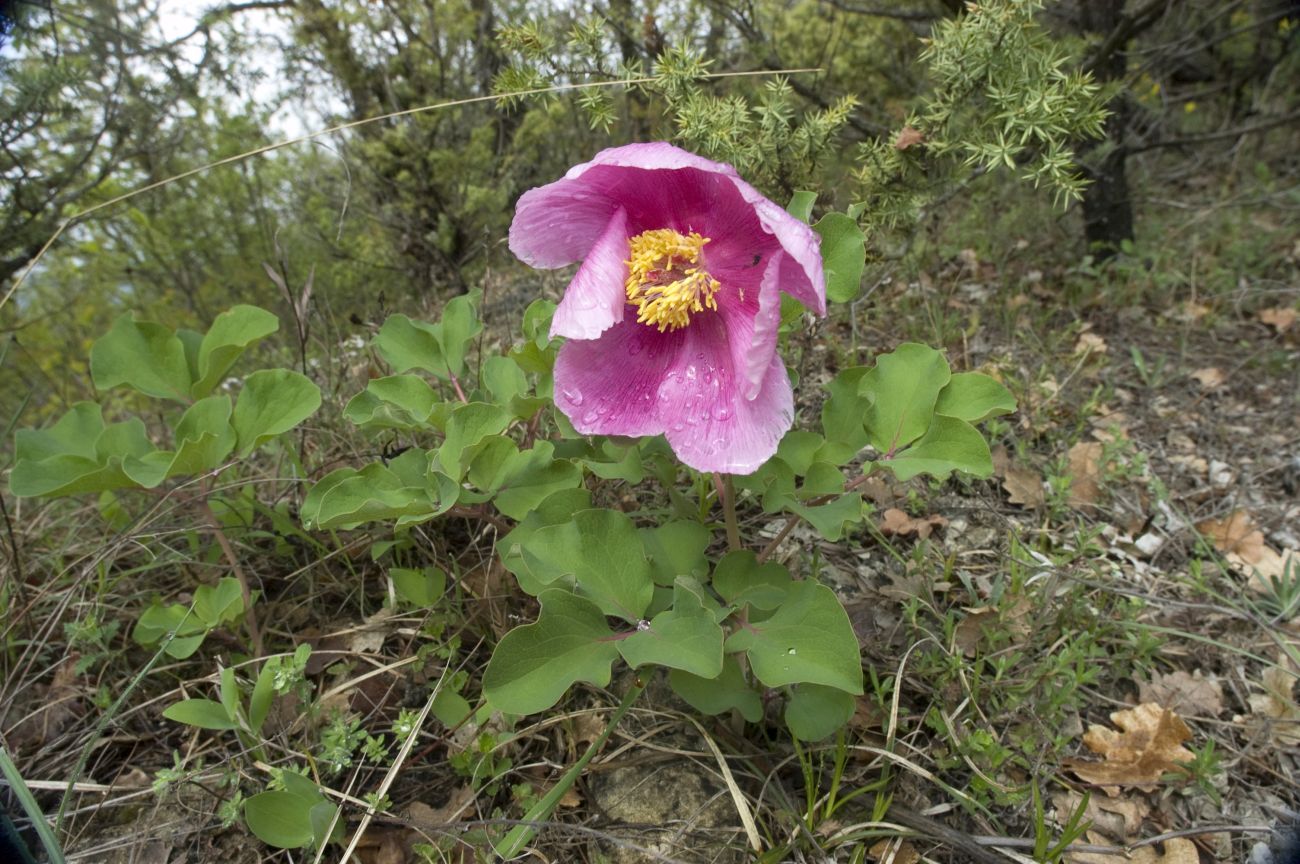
x,y
521,834
727,495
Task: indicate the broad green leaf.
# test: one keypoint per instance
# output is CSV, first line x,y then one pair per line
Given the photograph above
x,y
974,397
407,344
610,459
844,255
740,579
676,549
405,490
508,386
602,550
720,693
120,440
844,415
272,402
534,665
685,637
64,475
773,482
229,336
537,321
203,713
219,604
458,327
807,639
801,204
396,402
814,711
832,518
281,819
420,588
157,621
467,426
450,708
950,445
903,388
557,507
822,478
519,481
142,355
73,434
798,449
203,437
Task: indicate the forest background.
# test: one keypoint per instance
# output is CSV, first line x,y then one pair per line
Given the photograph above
x,y
1096,202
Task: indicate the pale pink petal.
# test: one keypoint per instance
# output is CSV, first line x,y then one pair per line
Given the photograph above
x,y
801,272
752,338
652,156
596,297
558,223
609,385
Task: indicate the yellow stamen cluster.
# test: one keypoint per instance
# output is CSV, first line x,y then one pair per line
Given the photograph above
x,y
663,282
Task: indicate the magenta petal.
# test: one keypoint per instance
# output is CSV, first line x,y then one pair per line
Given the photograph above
x,y
558,223
652,156
608,386
801,272
711,427
595,299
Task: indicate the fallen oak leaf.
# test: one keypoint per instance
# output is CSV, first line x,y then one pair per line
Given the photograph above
x,y
1277,707
896,522
1184,694
1177,850
1242,544
1117,818
1085,474
1210,378
1280,318
1024,487
1149,746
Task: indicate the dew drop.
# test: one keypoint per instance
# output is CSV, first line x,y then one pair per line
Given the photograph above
x,y
791,652
722,413
590,416
679,426
574,396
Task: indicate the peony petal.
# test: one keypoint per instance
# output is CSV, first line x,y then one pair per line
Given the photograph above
x,y
595,299
757,337
558,223
801,272
608,386
710,426
652,156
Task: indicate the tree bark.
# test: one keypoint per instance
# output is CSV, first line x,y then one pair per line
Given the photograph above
x,y
1107,204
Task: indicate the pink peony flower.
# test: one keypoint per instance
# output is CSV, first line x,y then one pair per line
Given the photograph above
x,y
671,321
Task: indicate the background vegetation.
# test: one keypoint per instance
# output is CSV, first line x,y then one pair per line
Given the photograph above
x,y
1096,202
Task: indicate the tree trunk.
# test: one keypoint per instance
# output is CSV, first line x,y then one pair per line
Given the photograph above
x,y
1107,204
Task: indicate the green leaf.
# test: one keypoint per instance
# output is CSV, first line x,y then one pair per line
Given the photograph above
x,y
814,712
807,639
450,708
684,637
558,507
822,478
534,665
230,334
439,348
844,255
602,550
518,481
346,498
773,481
219,604
468,425
798,449
740,579
203,713
974,397
676,549
950,445
903,388
612,460
259,704
397,402
844,415
65,459
281,819
801,204
272,402
229,692
720,693
73,434
420,588
459,326
832,518
203,437
145,356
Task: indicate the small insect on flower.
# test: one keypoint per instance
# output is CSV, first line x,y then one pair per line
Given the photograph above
x,y
671,321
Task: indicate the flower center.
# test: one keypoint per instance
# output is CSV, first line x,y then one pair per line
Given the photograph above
x,y
662,280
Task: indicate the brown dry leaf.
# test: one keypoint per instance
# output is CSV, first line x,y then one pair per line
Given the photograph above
x,y
894,851
588,727
1177,850
1117,818
877,491
1090,343
1150,745
1242,544
384,846
1095,838
908,137
1277,707
369,637
1280,318
1085,474
571,798
57,704
455,808
896,522
1012,620
1024,486
1189,311
1189,695
1210,378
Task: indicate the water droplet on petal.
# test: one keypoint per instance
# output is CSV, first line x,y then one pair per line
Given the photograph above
x,y
722,413
678,426
590,416
572,395
634,348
